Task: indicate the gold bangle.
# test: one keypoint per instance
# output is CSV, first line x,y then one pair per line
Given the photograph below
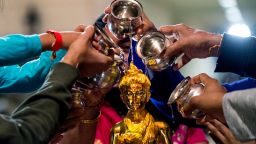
x,y
211,50
90,122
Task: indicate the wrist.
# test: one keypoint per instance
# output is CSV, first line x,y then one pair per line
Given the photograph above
x,y
215,42
71,59
91,113
68,38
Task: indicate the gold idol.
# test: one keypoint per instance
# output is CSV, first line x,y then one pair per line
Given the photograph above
x,y
138,126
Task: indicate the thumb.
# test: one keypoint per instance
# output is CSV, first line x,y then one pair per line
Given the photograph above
x,y
173,49
88,33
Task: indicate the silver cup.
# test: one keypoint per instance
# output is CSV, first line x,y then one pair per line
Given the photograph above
x,y
105,42
125,17
106,79
151,46
183,93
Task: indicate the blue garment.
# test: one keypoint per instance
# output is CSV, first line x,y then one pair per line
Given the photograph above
x,y
17,49
245,83
237,55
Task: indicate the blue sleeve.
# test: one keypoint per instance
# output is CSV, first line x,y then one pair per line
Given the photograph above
x,y
15,49
242,84
237,55
28,77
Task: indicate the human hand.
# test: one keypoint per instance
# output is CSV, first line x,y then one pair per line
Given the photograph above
x,y
71,130
146,25
80,28
194,43
81,54
220,131
210,101
70,36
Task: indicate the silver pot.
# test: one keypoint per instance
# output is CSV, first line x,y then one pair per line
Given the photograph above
x,y
125,17
106,79
105,42
183,93
151,46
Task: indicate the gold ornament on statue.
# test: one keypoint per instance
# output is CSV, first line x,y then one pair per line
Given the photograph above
x,y
138,126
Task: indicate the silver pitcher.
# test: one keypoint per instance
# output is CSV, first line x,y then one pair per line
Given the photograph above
x,y
151,46
125,17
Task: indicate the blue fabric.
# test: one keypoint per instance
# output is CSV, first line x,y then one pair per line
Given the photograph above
x,y
237,55
16,49
242,84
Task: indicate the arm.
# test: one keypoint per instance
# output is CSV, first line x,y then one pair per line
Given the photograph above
x,y
28,77
36,118
239,108
237,55
17,48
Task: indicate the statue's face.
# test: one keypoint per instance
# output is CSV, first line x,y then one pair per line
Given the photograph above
x,y
135,97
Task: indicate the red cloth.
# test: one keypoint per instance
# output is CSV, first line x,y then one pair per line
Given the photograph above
x,y
107,120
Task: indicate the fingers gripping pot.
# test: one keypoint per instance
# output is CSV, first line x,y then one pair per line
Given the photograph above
x,y
151,46
111,76
125,17
183,93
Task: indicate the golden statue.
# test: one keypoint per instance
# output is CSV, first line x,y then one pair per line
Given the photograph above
x,y
138,126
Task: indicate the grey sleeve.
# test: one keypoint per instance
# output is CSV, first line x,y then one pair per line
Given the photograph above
x,y
37,118
239,110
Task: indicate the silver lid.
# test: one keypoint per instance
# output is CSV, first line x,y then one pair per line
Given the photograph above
x,y
181,88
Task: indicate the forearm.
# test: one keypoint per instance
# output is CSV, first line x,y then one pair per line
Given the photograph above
x,y
88,130
239,108
16,49
28,77
35,120
48,40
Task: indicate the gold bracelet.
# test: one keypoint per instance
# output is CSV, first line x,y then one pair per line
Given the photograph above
x,y
212,48
91,122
